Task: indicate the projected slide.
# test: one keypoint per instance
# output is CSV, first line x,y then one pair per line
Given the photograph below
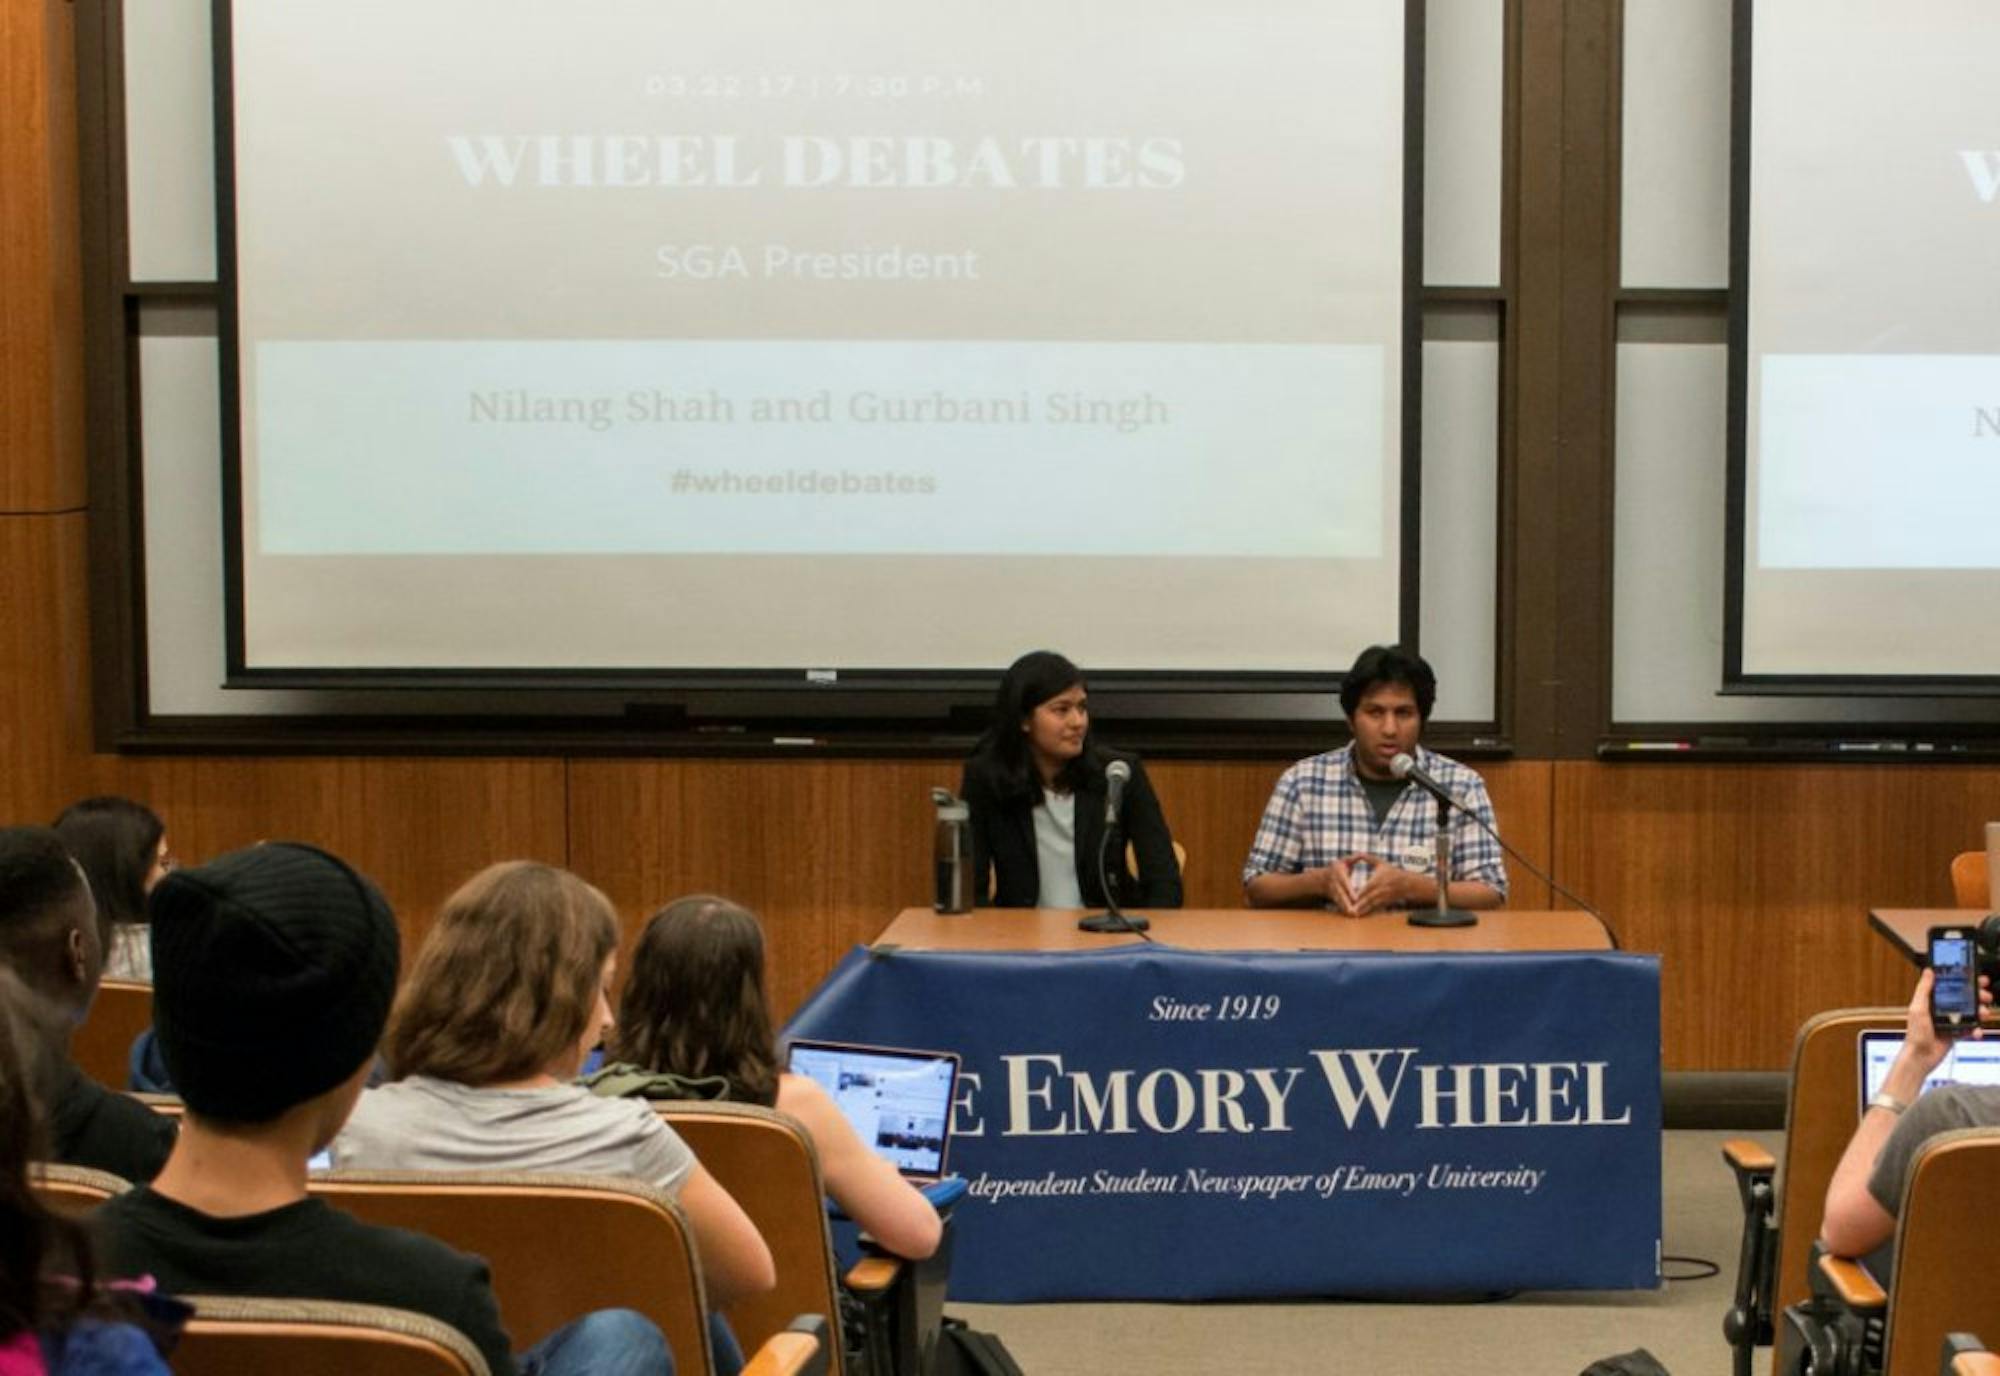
x,y
1872,501
642,333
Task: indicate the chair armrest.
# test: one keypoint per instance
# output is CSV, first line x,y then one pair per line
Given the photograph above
x,y
1852,1285
873,1274
1966,1355
902,1304
1748,1323
1745,1156
798,1351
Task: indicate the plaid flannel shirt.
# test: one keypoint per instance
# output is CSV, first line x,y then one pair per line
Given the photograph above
x,y
1318,814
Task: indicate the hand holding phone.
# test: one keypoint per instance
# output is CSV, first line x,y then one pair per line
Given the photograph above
x,y
1954,981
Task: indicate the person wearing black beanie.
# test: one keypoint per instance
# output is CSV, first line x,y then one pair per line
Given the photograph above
x,y
274,968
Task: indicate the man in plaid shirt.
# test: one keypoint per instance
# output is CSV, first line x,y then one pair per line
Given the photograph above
x,y
1342,830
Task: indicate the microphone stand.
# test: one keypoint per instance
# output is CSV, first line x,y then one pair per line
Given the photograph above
x,y
1443,915
1532,868
1113,918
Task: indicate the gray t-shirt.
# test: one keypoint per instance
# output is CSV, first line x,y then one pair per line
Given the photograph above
x,y
1941,1110
1382,794
425,1124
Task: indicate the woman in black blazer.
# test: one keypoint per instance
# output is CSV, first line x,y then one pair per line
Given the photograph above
x,y
1035,785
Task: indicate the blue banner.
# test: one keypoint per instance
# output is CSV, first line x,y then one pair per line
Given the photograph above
x,y
1153,1123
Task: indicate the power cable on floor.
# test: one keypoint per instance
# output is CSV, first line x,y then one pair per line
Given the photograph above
x,y
1703,1268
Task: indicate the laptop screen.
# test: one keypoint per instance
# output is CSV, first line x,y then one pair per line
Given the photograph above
x,y
898,1101
1967,1063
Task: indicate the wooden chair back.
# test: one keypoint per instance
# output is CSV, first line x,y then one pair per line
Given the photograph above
x,y
1969,881
229,1337
1942,1279
1821,1112
73,1190
559,1245
767,1162
1132,858
102,1046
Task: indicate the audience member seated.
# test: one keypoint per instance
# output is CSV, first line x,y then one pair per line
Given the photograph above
x,y
1866,1192
49,937
53,1318
695,1013
507,996
274,970
122,847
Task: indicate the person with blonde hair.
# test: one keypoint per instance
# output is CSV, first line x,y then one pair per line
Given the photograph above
x,y
695,1010
507,996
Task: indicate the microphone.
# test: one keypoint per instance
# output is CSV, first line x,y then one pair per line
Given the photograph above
x,y
1405,766
1116,775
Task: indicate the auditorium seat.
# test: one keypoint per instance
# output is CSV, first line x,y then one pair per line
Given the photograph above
x,y
229,1336
767,1163
1969,880
1941,1278
74,1190
1781,1216
560,1245
102,1045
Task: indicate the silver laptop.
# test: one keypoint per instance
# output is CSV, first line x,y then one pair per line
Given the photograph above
x,y
1967,1063
898,1101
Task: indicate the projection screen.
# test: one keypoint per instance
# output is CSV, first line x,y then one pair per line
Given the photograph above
x,y
1866,471
655,335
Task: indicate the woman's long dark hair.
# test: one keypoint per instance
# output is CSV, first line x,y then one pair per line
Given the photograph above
x,y
695,1004
1002,761
36,1245
116,841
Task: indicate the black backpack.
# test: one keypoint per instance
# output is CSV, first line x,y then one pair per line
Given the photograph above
x,y
1637,1362
964,1351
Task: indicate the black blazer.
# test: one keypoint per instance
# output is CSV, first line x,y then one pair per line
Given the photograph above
x,y
1003,836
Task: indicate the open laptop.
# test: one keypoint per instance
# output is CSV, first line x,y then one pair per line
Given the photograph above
x,y
1967,1063
898,1101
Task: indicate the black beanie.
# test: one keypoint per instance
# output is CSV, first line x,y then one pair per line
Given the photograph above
x,y
273,970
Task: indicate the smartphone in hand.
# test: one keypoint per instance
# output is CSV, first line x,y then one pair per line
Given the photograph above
x,y
1954,981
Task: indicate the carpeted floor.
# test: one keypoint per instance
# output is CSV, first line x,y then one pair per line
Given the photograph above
x,y
1542,1334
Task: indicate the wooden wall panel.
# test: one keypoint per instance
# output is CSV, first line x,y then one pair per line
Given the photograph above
x,y
825,851
828,851
417,827
41,353
1754,882
44,667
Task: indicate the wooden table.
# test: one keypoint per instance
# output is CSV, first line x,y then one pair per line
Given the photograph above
x,y
1246,929
1908,929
